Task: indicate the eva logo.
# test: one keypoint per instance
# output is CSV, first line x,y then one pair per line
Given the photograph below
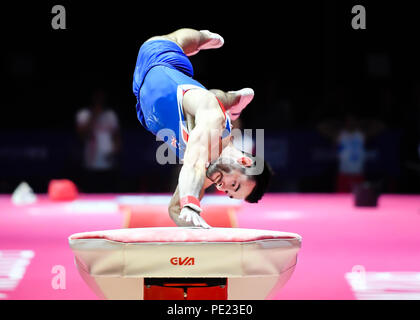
x,y
178,261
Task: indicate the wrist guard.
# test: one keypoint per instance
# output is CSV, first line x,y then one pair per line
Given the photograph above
x,y
191,202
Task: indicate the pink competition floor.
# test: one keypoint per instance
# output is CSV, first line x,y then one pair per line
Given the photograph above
x,y
347,252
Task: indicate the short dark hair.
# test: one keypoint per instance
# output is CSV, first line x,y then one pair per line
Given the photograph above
x,y
262,181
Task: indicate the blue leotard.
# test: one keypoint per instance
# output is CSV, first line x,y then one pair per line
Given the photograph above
x,y
162,75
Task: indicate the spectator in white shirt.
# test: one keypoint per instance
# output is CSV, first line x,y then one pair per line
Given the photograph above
x,y
98,127
350,138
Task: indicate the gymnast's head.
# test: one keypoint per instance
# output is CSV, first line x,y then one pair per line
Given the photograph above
x,y
240,175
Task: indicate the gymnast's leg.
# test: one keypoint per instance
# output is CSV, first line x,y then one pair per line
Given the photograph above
x,y
192,41
234,101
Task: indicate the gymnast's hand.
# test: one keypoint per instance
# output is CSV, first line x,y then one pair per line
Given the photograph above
x,y
192,218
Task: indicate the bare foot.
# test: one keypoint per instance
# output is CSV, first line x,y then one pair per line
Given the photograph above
x,y
213,41
246,96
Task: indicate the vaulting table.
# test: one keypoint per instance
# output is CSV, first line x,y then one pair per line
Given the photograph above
x,y
174,263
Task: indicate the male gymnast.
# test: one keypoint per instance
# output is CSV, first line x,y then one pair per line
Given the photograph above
x,y
168,98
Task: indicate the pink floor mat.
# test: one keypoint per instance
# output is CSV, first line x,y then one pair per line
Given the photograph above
x,y
347,252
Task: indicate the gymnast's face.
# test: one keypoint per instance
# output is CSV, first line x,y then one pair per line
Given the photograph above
x,y
229,176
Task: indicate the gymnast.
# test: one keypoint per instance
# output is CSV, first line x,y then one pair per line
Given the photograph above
x,y
168,98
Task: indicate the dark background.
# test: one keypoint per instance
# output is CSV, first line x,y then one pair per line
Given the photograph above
x,y
303,54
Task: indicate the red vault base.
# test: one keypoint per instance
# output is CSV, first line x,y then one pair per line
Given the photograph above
x,y
185,289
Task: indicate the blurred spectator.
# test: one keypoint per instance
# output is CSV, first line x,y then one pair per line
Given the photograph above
x,y
98,127
411,146
350,137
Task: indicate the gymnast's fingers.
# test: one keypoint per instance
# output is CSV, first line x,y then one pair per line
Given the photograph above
x,y
203,223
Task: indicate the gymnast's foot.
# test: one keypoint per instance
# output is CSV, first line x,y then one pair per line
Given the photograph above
x,y
245,97
213,41
208,40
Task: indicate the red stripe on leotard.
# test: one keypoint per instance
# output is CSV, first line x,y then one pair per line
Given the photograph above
x,y
222,107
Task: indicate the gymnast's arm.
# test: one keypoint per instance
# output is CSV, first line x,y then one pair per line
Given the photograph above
x,y
192,178
174,208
